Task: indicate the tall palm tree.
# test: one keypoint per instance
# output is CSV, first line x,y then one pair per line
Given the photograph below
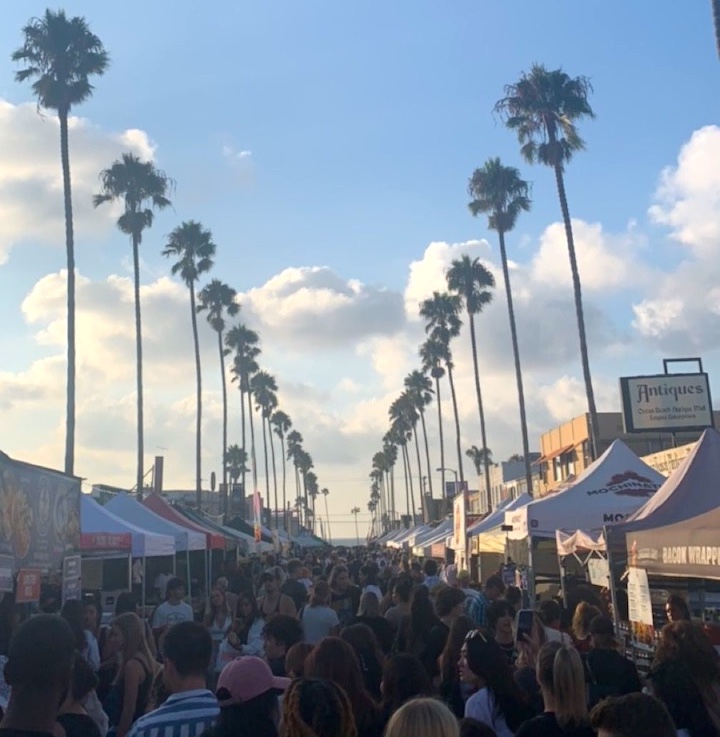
x,y
419,387
235,460
304,465
401,427
441,312
432,355
500,193
390,452
246,344
313,490
193,247
325,492
294,448
218,299
62,55
264,388
543,108
142,188
482,459
356,511
281,424
471,281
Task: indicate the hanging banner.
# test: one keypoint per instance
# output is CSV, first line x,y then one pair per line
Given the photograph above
x,y
599,572
28,586
71,584
39,515
639,601
257,515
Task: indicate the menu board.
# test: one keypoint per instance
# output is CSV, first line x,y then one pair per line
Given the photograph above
x,y
39,515
599,571
639,600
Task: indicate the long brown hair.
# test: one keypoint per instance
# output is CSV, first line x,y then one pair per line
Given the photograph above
x,y
135,643
560,671
451,654
685,641
315,707
335,660
213,611
584,614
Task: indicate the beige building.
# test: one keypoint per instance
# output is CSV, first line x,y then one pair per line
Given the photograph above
x,y
507,481
565,450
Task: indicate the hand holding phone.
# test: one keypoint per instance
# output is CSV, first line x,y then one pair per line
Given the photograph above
x,y
524,625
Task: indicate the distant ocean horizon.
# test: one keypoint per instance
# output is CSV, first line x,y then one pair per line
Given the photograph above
x,y
347,542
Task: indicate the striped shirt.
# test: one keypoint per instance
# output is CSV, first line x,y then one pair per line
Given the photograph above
x,y
185,714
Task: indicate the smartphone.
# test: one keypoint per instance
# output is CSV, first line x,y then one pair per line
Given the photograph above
x,y
524,624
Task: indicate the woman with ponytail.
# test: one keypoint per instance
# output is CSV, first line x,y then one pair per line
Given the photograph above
x,y
315,707
561,676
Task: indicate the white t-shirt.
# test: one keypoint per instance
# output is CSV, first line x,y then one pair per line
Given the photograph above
x,y
317,622
373,589
167,614
161,582
481,706
552,635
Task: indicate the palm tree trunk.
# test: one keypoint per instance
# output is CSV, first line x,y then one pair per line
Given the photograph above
x,y
579,312
423,510
518,369
198,415
407,484
305,497
284,485
458,440
481,408
716,23
443,493
253,457
138,370
274,471
427,453
243,496
327,517
225,422
70,254
297,492
267,466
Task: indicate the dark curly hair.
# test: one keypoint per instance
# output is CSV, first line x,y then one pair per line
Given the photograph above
x,y
315,707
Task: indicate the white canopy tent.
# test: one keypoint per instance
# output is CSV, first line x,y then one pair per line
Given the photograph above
x,y
424,542
491,537
613,487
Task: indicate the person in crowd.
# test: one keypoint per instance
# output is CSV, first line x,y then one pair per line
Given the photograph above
x,y
137,670
430,569
402,593
494,588
550,613
414,630
38,670
223,584
403,679
476,603
10,619
334,660
319,619
676,609
345,596
423,718
500,624
528,649
685,675
191,708
514,597
247,693
239,579
161,581
416,573
608,672
173,610
497,701
369,576
473,728
128,602
388,598
295,659
449,605
634,715
91,619
370,657
292,587
279,635
74,717
245,636
451,690
315,707
562,681
369,615
583,616
218,621
273,601
86,644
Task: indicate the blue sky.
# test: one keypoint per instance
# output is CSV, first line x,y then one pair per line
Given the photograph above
x,y
364,121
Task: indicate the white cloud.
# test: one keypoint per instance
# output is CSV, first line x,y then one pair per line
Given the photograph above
x,y
233,155
31,192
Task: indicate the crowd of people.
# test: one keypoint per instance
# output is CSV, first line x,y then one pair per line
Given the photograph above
x,y
366,645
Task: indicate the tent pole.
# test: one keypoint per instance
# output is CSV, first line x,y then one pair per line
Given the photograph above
x,y
142,593
189,580
611,582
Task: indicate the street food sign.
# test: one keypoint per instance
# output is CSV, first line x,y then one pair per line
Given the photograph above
x,y
39,515
666,403
28,586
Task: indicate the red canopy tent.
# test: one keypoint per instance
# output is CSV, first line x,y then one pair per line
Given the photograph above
x,y
157,504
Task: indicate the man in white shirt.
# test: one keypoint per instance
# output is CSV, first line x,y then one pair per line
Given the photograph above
x,y
550,614
174,609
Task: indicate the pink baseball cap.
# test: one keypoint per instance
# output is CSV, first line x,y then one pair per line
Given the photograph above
x,y
245,679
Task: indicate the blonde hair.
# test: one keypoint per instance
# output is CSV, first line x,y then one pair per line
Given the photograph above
x,y
369,605
135,644
584,614
423,718
560,671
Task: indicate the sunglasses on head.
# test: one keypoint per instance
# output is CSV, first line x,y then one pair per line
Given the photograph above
x,y
476,633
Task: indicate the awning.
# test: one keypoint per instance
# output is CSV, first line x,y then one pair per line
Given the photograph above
x,y
159,506
554,454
